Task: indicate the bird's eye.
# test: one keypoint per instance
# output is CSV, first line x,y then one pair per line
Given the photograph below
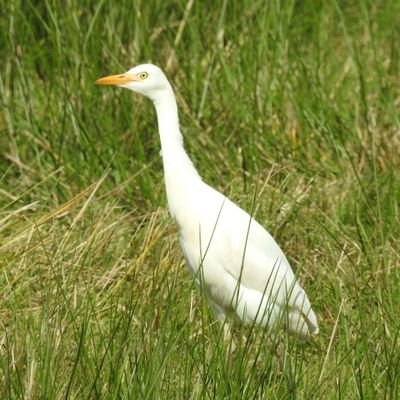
x,y
143,75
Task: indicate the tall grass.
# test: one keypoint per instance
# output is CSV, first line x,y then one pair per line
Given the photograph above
x,y
294,102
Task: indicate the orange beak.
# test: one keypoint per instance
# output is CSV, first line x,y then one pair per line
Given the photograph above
x,y
116,79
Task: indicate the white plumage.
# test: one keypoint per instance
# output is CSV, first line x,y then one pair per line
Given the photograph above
x,y
239,264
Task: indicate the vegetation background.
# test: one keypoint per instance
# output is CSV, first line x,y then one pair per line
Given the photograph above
x,y
293,104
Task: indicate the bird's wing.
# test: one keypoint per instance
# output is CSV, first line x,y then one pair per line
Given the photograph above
x,y
247,251
233,242
277,282
256,260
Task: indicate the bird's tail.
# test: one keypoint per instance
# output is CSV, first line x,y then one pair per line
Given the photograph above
x,y
302,319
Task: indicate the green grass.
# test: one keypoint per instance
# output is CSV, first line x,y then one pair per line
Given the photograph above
x,y
295,103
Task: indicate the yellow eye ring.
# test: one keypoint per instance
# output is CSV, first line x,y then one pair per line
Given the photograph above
x,y
143,75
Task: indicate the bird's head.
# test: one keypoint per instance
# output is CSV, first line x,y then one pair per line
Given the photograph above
x,y
146,79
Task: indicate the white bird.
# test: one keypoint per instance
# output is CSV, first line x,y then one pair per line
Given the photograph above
x,y
236,261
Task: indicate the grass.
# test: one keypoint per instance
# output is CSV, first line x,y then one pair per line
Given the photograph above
x,y
295,103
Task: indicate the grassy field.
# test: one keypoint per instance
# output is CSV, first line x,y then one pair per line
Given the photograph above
x,y
292,103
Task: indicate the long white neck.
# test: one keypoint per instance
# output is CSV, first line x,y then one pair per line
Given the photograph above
x,y
179,173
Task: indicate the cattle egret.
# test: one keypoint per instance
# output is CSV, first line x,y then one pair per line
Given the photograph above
x,y
240,266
